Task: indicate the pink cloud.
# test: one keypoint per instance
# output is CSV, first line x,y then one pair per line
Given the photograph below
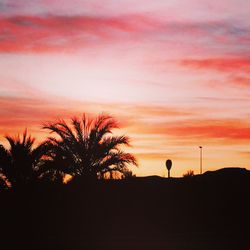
x,y
219,64
30,33
226,129
185,10
69,33
240,81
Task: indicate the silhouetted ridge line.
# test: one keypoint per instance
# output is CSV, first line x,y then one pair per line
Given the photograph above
x,y
229,171
201,212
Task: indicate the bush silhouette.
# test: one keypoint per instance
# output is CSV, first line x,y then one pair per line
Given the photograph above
x,y
188,174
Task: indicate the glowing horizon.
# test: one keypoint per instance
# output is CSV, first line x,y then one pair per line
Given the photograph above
x,y
175,74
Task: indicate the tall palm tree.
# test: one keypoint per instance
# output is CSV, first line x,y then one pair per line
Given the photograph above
x,y
86,147
20,163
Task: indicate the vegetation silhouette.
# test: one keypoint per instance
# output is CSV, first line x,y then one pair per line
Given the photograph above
x,y
83,148
188,174
207,211
87,148
20,163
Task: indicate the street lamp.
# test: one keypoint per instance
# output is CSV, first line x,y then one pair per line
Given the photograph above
x,y
200,159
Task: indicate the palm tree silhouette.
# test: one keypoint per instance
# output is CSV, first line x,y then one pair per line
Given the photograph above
x,y
4,163
20,163
86,147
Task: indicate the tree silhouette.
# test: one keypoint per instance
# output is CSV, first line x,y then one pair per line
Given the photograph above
x,y
20,163
86,147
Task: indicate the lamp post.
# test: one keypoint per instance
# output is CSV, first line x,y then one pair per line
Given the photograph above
x,y
200,159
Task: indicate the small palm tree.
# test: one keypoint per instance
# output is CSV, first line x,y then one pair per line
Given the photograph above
x,y
86,147
20,163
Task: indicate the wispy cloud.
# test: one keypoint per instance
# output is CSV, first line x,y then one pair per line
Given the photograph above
x,y
67,33
32,33
220,64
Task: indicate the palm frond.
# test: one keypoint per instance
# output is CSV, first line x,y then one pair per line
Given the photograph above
x,y
78,128
54,128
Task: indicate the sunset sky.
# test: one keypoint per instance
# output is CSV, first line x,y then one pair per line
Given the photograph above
x,y
175,73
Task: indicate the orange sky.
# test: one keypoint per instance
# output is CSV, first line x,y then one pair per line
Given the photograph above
x,y
176,74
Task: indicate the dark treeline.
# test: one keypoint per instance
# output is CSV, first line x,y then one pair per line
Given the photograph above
x,y
84,148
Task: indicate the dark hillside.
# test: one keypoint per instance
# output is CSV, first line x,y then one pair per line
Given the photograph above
x,y
209,211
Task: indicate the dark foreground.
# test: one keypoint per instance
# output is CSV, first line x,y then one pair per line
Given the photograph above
x,y
203,212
